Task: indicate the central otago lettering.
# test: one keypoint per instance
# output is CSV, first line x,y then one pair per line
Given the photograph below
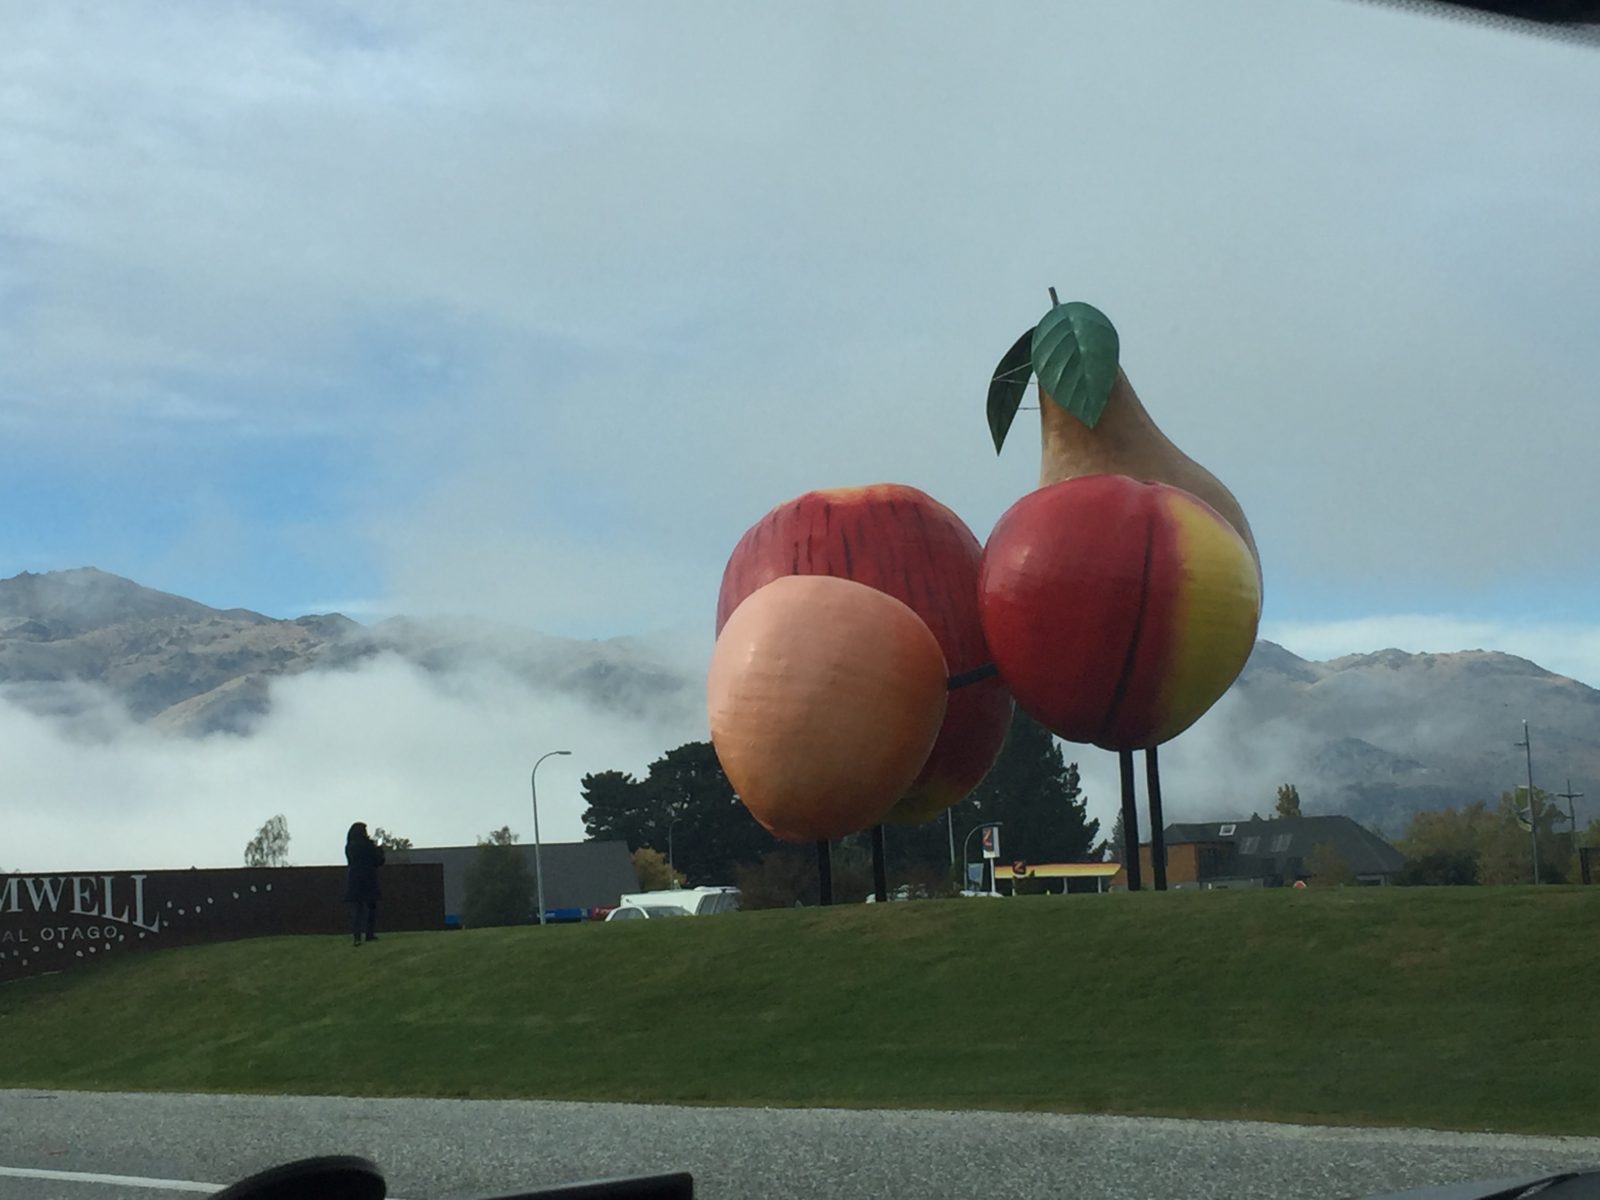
x,y
84,895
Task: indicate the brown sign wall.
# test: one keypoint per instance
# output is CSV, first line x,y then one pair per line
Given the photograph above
x,y
66,919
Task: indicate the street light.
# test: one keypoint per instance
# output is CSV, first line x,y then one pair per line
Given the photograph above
x,y
967,841
538,862
1533,813
1572,813
672,867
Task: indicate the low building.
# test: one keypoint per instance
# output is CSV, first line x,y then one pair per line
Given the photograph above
x,y
1274,852
1058,877
577,875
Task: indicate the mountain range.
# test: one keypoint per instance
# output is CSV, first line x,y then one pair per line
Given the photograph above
x,y
1378,736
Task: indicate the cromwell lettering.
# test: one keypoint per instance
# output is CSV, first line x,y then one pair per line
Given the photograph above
x,y
154,926
106,903
84,901
11,895
40,890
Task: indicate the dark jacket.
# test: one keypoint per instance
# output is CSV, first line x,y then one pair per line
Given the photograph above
x,y
361,878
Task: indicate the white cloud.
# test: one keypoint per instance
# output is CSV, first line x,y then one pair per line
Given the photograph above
x,y
441,759
671,277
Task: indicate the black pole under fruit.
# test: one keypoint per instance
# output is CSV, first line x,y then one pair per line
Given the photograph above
x,y
880,868
1158,832
1130,821
825,871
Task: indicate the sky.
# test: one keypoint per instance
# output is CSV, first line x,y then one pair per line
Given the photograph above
x,y
526,311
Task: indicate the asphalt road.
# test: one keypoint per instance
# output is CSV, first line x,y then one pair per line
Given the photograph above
x,y
93,1143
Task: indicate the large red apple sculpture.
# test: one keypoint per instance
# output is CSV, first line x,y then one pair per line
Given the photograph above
x,y
824,697
904,543
1117,611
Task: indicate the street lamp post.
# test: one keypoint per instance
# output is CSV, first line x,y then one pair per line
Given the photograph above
x,y
672,866
1572,812
966,842
538,861
1533,813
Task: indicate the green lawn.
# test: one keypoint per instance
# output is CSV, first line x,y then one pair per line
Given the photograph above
x,y
1465,1008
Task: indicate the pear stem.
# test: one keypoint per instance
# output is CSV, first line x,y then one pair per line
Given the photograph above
x,y
1054,299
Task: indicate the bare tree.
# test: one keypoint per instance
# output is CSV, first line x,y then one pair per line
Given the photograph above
x,y
270,846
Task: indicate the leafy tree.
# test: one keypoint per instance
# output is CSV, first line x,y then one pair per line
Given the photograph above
x,y
685,793
1036,795
1506,853
1441,868
653,872
618,809
1288,800
1442,840
270,846
499,886
1446,831
785,877
394,847
1119,840
1327,867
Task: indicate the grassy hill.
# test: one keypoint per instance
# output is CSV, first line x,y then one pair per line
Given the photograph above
x,y
1464,1008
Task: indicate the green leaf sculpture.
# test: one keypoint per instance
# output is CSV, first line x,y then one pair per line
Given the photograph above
x,y
1073,351
1075,357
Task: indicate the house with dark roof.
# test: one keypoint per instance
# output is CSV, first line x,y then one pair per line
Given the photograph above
x,y
577,875
1274,852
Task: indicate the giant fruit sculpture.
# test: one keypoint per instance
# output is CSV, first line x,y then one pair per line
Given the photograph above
x,y
1121,599
1117,611
824,697
903,542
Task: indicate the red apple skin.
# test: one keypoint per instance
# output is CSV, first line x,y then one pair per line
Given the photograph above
x,y
1118,611
901,541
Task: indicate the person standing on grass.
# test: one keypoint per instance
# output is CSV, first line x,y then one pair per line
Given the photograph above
x,y
364,857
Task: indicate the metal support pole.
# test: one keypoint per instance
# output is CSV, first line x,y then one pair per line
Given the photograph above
x,y
1130,822
825,871
950,829
880,866
966,843
538,860
1572,812
1158,833
1533,816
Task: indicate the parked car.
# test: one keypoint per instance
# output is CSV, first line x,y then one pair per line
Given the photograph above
x,y
696,902
646,912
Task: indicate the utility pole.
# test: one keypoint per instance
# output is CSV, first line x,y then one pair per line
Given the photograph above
x,y
1572,813
1533,816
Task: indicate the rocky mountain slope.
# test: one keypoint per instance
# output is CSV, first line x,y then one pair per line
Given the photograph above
x,y
1382,735
1375,735
69,639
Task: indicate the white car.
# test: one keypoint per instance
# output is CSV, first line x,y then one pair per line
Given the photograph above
x,y
689,902
646,912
